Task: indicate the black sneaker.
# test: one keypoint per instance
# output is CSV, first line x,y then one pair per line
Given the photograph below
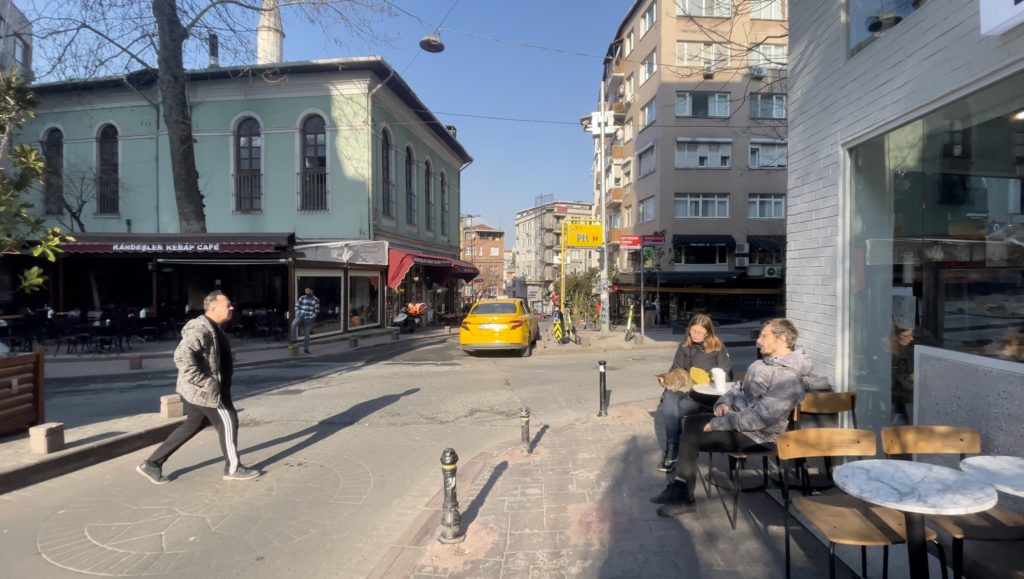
x,y
673,493
242,473
153,474
679,508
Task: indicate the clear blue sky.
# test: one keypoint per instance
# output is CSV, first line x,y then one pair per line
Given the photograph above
x,y
490,68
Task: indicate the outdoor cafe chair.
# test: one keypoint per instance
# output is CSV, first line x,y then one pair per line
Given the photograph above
x,y
825,409
995,524
842,519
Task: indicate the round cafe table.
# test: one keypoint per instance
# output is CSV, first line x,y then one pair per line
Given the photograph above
x,y
1006,473
916,489
707,395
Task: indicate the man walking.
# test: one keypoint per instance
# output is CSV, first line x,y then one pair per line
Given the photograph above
x,y
307,308
749,418
205,367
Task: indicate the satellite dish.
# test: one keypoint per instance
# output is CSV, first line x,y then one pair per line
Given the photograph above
x,y
432,43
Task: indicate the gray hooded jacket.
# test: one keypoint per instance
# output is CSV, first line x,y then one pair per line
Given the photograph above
x,y
198,359
760,407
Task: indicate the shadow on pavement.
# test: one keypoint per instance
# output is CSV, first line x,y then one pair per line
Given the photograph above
x,y
471,512
536,438
315,433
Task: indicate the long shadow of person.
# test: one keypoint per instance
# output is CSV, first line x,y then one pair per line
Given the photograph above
x,y
310,435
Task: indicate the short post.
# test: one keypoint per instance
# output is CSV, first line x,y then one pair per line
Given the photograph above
x,y
602,390
451,520
135,362
524,426
171,406
46,438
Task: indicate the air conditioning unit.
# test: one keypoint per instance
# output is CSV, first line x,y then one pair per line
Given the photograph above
x,y
709,71
758,72
742,248
773,271
742,261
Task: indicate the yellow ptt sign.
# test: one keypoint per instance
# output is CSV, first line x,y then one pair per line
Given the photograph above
x,y
583,235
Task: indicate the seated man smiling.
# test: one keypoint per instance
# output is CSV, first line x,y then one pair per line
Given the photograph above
x,y
746,419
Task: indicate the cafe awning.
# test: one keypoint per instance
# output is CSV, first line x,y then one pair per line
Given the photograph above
x,y
353,252
767,242
401,261
703,240
181,244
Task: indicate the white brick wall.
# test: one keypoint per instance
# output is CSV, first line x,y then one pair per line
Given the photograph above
x,y
935,55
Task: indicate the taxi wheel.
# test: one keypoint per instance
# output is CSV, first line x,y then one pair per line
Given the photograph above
x,y
527,351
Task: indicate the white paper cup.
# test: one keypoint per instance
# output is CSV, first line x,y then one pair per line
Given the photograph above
x,y
718,378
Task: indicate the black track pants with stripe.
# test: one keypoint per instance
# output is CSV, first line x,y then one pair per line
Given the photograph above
x,y
224,418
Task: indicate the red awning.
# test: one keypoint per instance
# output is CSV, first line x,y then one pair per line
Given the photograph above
x,y
401,261
464,270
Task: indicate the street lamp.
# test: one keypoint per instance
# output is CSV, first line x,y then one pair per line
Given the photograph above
x,y
598,123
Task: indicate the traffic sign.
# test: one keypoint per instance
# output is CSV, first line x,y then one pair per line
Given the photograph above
x,y
583,235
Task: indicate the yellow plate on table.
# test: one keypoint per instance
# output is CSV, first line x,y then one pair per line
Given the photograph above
x,y
700,376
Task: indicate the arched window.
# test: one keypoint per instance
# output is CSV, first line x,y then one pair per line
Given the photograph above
x,y
444,204
313,196
388,192
53,180
248,166
107,188
410,186
428,196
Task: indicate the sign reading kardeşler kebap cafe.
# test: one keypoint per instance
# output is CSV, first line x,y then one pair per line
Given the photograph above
x,y
179,244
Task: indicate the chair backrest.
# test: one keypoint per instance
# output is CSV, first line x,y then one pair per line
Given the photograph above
x,y
930,440
820,442
828,402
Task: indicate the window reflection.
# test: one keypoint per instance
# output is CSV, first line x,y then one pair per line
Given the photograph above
x,y
937,242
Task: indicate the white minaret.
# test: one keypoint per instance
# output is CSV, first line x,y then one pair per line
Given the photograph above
x,y
270,34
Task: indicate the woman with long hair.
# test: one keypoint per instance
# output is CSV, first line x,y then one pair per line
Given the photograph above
x,y
701,349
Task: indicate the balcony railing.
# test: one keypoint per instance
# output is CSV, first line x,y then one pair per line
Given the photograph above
x,y
313,196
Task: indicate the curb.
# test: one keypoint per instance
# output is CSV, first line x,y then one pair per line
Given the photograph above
x,y
79,457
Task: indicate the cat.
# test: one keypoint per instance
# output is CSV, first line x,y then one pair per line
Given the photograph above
x,y
677,380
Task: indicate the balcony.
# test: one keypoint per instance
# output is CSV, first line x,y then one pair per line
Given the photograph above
x,y
613,198
619,153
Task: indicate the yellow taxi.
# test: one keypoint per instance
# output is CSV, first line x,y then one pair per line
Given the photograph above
x,y
499,324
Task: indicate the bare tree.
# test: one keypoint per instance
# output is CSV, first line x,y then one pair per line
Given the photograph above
x,y
81,190
94,38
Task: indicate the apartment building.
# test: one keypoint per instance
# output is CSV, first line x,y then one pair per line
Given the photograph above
x,y
538,250
697,93
484,247
15,40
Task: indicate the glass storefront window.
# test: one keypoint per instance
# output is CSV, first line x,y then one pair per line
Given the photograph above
x,y
363,299
870,19
327,286
937,244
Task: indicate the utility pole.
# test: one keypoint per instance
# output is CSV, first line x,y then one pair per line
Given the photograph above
x,y
602,284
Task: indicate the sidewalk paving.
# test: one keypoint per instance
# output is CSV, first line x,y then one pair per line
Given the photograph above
x,y
578,507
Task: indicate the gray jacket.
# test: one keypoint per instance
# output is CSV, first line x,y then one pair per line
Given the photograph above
x,y
198,359
760,407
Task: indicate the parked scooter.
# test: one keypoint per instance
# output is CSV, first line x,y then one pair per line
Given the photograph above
x,y
406,319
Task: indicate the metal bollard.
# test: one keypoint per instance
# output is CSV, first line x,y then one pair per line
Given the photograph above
x,y
524,425
451,520
602,388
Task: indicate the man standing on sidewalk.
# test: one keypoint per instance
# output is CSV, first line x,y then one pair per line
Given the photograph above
x,y
747,419
306,311
205,367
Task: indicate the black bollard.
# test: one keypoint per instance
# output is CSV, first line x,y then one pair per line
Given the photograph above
x,y
451,520
602,388
524,425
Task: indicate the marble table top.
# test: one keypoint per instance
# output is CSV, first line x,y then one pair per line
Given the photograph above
x,y
1006,473
915,487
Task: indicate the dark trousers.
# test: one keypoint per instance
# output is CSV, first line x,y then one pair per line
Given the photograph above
x,y
224,418
695,441
675,406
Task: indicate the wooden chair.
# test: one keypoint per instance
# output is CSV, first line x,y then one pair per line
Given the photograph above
x,y
842,519
824,410
995,524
